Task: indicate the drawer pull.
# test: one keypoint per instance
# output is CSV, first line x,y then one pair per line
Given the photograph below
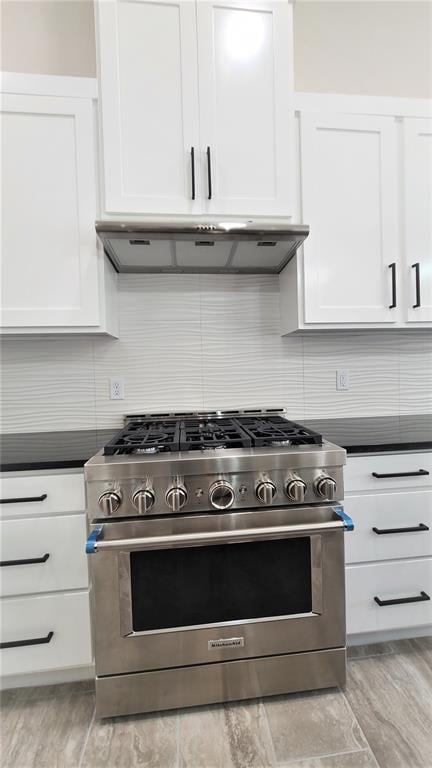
x,y
24,498
393,279
416,266
413,529
422,597
34,641
27,561
419,473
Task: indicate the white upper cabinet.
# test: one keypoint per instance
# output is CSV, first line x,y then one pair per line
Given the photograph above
x,y
245,95
417,148
48,208
196,106
149,105
53,278
350,201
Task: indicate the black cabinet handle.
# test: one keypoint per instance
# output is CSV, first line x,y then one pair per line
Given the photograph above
x,y
422,597
27,561
413,529
209,174
24,498
193,172
33,641
393,271
419,473
416,266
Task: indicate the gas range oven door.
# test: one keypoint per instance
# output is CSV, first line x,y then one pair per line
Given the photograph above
x,y
216,587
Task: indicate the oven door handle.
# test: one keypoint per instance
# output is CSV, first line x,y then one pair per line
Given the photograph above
x,y
96,542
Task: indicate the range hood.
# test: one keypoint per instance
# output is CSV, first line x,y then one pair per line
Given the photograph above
x,y
247,248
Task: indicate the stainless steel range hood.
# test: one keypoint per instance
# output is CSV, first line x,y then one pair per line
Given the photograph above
x,y
249,248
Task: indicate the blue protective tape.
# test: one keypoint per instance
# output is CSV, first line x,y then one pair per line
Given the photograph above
x,y
347,520
91,544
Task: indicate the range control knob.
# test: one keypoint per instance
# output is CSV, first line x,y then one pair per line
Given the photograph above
x,y
295,490
221,495
265,492
176,498
326,487
143,500
109,502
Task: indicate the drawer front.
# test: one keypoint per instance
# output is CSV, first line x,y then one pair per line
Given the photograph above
x,y
358,474
61,538
67,616
388,581
42,494
389,512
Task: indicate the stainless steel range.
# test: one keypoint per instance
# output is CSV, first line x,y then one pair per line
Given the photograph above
x,y
217,560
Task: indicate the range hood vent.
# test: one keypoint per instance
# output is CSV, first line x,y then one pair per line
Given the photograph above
x,y
207,248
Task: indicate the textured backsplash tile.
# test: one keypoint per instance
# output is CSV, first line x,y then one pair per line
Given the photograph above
x,y
372,359
47,384
193,341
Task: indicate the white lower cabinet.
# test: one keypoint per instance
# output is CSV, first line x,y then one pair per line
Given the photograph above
x,y
389,553
56,547
388,472
44,586
60,623
41,494
392,581
389,526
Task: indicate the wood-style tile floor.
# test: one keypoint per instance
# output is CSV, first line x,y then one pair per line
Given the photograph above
x,y
383,718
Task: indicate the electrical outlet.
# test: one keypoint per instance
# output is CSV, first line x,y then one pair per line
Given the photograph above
x,y
117,389
342,379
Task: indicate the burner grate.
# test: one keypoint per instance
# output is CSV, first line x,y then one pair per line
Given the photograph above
x,y
275,431
145,437
207,434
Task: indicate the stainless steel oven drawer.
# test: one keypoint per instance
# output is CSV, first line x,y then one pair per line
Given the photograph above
x,y
211,683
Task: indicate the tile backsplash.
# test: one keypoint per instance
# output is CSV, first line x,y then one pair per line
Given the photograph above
x,y
194,341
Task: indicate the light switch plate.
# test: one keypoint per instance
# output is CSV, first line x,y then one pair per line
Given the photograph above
x,y
342,379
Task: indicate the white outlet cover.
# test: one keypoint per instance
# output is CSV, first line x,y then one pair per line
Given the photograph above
x,y
116,389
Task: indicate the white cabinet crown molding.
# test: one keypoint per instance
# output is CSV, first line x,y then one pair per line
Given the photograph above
x,y
364,105
49,85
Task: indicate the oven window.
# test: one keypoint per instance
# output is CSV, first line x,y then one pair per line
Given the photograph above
x,y
228,582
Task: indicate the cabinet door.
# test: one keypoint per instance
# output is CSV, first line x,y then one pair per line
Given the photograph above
x,y
49,271
149,102
418,218
245,91
349,197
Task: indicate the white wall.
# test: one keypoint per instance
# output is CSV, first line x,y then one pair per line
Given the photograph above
x,y
191,341
367,47
52,37
370,47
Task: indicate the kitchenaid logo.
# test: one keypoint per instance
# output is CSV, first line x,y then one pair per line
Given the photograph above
x,y
226,642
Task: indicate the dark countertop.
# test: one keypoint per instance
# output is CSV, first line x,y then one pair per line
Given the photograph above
x,y
377,434
66,450
51,450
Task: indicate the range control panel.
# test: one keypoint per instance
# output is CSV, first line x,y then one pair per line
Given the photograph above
x,y
171,495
